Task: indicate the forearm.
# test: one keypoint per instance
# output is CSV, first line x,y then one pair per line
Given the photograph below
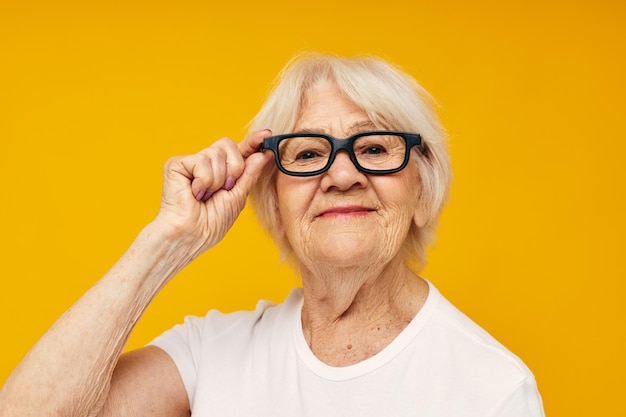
x,y
68,372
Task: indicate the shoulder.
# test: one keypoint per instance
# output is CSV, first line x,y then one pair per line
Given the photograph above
x,y
229,340
265,313
470,353
477,371
240,324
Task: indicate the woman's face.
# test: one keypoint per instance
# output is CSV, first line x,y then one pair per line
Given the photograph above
x,y
344,217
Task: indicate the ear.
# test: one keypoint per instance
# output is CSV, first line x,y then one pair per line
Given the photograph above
x,y
419,216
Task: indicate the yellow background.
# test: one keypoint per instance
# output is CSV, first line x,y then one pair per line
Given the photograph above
x,y
95,96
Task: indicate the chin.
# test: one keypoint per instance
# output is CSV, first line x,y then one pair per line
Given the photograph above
x,y
347,250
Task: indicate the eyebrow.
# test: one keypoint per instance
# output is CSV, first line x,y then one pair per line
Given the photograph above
x,y
361,126
356,127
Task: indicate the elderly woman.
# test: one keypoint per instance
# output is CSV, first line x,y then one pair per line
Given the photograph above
x,y
348,171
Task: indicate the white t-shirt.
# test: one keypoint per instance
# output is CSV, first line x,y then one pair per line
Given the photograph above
x,y
257,363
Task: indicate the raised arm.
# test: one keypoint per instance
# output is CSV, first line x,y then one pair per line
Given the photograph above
x,y
70,371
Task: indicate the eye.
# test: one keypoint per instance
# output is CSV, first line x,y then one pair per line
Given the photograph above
x,y
374,150
304,151
307,154
371,146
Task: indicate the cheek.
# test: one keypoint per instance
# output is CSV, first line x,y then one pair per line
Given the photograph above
x,y
294,198
402,191
400,196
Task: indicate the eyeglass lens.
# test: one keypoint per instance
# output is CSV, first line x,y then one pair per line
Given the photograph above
x,y
303,154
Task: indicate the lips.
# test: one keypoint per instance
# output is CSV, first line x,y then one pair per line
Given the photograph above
x,y
346,211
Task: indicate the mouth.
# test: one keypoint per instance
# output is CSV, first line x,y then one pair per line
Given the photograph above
x,y
348,211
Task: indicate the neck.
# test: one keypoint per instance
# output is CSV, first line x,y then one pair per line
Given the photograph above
x,y
358,309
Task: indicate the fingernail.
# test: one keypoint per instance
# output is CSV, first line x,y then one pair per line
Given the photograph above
x,y
207,196
200,195
229,184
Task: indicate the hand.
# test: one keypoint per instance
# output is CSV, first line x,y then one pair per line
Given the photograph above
x,y
204,193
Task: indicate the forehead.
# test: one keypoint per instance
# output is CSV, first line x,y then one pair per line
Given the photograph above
x,y
326,109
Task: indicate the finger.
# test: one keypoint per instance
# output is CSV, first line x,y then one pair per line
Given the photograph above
x,y
226,165
209,172
252,143
234,162
253,170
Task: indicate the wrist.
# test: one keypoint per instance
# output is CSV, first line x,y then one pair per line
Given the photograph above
x,y
158,253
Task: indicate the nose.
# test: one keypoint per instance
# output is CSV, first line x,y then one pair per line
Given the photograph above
x,y
343,174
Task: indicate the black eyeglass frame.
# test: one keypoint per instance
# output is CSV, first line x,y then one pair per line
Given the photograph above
x,y
347,144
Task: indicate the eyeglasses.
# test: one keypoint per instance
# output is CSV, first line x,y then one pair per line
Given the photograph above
x,y
308,154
